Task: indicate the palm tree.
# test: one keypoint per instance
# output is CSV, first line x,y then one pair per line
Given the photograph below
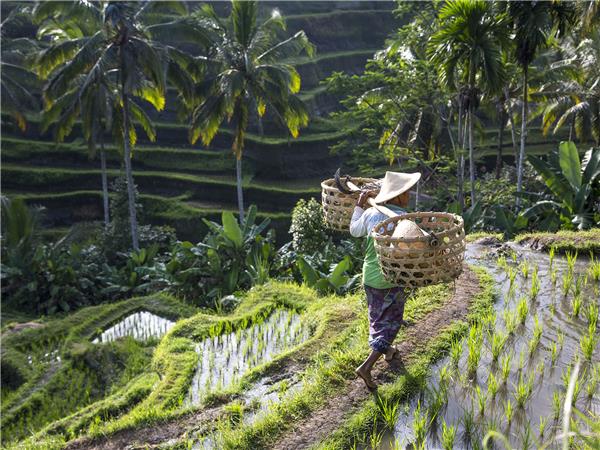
x,y
468,50
248,72
534,23
572,97
18,83
103,71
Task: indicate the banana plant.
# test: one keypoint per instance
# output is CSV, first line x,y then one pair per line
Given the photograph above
x,y
571,182
336,280
510,223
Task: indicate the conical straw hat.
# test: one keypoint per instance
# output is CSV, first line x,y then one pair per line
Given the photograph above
x,y
396,183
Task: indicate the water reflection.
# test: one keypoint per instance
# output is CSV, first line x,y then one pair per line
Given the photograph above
x,y
142,325
224,359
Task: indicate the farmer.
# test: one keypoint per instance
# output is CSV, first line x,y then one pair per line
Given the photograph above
x,y
384,299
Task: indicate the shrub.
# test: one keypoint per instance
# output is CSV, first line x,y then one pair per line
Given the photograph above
x,y
308,231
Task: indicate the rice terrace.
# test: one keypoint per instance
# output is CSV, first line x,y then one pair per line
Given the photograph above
x,y
326,225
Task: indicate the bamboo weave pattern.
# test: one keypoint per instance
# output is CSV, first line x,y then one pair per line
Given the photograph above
x,y
412,262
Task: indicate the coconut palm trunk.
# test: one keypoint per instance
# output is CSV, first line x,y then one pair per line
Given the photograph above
x,y
460,166
523,136
128,170
471,156
500,142
104,181
240,192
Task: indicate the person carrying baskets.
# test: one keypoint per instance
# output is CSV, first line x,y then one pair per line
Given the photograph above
x,y
385,300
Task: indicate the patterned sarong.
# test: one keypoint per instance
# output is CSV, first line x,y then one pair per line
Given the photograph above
x,y
386,309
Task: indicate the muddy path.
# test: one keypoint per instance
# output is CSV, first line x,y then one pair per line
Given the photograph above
x,y
204,420
331,416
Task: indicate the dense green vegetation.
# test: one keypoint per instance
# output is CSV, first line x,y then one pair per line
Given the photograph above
x,y
146,305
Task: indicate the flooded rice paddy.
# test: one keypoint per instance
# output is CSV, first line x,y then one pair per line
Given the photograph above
x,y
511,374
224,359
142,326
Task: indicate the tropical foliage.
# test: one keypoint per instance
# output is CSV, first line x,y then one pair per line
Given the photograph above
x,y
247,76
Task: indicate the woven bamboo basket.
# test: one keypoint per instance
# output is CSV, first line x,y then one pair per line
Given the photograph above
x,y
412,261
337,206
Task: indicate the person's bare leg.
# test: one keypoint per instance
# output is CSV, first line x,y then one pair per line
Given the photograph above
x,y
364,370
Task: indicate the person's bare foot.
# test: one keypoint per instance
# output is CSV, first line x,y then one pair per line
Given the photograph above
x,y
366,376
390,354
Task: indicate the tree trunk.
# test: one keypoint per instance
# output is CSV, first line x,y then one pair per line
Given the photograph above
x,y
459,168
104,181
128,172
500,142
523,137
471,156
240,193
513,133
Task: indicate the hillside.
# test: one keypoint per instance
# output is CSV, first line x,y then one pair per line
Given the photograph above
x,y
180,183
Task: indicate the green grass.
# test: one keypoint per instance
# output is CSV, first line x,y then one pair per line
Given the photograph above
x,y
564,241
362,422
472,237
327,375
85,373
32,178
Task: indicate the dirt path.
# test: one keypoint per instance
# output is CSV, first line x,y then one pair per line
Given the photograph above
x,y
324,421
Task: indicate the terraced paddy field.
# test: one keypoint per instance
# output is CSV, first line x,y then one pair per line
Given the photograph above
x,y
181,183
151,372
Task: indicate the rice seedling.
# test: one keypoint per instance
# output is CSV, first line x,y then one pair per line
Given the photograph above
x,y
375,437
481,400
560,338
389,411
535,283
552,309
501,261
556,405
580,281
571,259
444,378
438,398
448,436
538,329
510,321
492,385
469,424
592,384
523,390
474,346
522,310
551,254
508,411
576,304
588,344
419,425
591,315
498,340
456,348
505,366
553,276
541,367
513,256
542,426
567,281
594,268
525,268
512,275
521,364
553,353
526,436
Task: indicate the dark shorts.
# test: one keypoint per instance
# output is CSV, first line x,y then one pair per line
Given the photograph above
x,y
386,309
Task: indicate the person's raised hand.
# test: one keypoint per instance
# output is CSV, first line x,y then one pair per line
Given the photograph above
x,y
364,197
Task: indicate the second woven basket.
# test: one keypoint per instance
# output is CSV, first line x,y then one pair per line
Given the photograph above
x,y
411,261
